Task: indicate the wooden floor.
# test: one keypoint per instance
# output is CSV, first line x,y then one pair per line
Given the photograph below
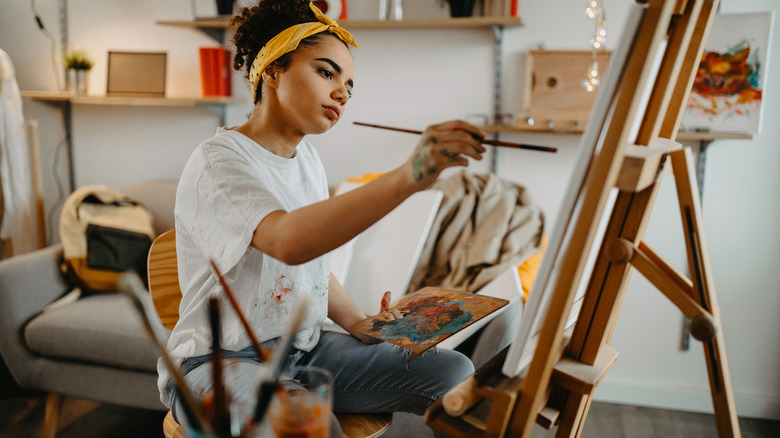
x,y
606,420
22,417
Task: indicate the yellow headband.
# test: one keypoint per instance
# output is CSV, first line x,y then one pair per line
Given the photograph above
x,y
288,40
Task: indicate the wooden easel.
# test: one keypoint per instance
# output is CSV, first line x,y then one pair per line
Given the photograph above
x,y
557,386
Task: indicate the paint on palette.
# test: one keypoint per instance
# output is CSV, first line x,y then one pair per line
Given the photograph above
x,y
424,323
430,316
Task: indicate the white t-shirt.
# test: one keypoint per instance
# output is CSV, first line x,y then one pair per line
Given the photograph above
x,y
227,188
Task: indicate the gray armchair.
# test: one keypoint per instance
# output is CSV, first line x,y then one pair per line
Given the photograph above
x,y
94,348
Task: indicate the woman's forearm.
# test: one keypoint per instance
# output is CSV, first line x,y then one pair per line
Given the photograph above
x,y
304,234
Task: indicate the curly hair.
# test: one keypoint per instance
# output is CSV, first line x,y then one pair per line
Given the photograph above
x,y
255,26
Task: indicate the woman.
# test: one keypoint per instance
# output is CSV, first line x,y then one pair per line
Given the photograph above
x,y
254,199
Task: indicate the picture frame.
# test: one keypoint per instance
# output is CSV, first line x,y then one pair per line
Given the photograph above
x,y
136,74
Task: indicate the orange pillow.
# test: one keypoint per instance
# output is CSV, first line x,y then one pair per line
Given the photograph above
x,y
352,181
365,178
529,268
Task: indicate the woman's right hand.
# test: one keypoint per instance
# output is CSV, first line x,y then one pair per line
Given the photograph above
x,y
441,146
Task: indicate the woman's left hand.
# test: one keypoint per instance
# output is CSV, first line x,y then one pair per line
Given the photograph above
x,y
385,313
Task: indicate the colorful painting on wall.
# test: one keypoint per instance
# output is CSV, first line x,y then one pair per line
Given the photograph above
x,y
728,90
430,315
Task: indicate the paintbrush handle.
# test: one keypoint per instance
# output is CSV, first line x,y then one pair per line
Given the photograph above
x,y
529,147
262,354
130,284
482,140
389,128
221,410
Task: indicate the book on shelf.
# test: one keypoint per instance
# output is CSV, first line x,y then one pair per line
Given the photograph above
x,y
215,75
429,316
500,8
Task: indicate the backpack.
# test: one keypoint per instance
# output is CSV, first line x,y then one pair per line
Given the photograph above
x,y
104,233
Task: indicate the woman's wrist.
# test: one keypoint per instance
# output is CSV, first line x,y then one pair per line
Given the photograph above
x,y
405,182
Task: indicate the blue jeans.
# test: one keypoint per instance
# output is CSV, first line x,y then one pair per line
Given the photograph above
x,y
366,378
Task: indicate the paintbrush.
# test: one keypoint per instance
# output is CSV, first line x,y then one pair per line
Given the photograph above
x,y
271,374
221,411
505,144
130,284
262,354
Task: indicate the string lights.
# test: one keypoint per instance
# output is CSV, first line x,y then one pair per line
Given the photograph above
x,y
595,11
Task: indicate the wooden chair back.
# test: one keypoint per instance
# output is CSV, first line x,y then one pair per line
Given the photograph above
x,y
163,277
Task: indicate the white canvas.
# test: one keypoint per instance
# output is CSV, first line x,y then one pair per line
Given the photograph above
x,y
384,256
523,346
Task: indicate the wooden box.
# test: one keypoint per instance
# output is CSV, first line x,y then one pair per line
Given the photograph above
x,y
553,96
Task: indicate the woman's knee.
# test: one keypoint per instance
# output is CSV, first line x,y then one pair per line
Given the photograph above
x,y
457,365
445,367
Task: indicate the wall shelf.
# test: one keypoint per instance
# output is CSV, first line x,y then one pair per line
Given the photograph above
x,y
54,96
438,23
535,129
681,135
711,136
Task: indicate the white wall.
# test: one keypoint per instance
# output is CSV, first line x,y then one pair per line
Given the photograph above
x,y
412,78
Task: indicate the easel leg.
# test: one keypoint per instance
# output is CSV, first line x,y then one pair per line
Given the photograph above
x,y
607,288
699,262
575,412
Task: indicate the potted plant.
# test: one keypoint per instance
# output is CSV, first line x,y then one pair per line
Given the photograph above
x,y
225,7
460,8
77,67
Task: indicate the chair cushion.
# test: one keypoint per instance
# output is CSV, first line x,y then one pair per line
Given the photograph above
x,y
101,329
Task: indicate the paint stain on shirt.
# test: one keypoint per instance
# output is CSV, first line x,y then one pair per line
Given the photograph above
x,y
282,287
